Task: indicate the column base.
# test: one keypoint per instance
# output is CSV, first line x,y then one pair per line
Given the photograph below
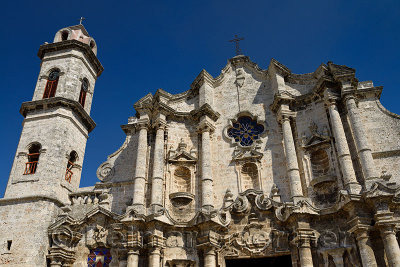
x,y
207,209
137,209
353,188
157,209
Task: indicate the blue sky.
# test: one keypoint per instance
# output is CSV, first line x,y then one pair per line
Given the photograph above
x,y
146,45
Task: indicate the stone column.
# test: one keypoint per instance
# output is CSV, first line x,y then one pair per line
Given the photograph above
x,y
210,258
305,252
158,166
391,245
291,158
342,147
139,182
360,138
154,257
133,258
207,195
364,246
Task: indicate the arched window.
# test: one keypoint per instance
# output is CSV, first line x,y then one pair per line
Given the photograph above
x,y
319,163
51,85
33,158
73,156
182,179
64,35
84,89
249,176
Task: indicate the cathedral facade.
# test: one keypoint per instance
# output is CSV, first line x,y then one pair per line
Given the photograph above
x,y
262,167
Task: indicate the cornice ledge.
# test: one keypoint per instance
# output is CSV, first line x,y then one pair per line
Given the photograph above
x,y
144,103
376,90
341,72
279,67
205,110
43,49
203,77
281,98
30,198
59,101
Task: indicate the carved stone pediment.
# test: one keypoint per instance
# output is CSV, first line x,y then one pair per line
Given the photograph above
x,y
316,140
181,155
247,154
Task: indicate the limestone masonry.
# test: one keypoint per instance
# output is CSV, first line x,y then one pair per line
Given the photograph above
x,y
253,167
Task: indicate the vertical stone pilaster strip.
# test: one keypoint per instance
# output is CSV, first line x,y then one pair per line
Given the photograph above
x,y
207,192
360,138
391,245
291,159
366,252
346,164
158,168
133,258
139,182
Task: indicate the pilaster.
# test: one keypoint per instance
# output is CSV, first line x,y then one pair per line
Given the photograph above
x,y
363,148
360,227
205,128
305,237
157,193
342,147
139,182
284,115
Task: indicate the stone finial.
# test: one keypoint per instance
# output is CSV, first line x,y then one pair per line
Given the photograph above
x,y
275,193
228,198
182,145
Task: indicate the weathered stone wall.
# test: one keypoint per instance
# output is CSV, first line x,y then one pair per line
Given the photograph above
x,y
24,222
59,132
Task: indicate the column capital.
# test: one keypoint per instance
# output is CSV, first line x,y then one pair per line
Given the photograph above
x,y
159,123
347,95
135,240
205,126
155,241
285,115
305,238
360,227
143,124
330,98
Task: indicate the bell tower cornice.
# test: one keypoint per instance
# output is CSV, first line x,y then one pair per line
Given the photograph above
x,y
54,102
68,44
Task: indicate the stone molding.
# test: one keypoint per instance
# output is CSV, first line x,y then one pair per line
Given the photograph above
x,y
46,48
54,102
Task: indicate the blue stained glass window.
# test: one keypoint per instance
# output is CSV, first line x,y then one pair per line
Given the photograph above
x,y
245,131
99,257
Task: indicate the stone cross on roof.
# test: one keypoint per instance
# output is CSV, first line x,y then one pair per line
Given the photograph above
x,y
236,40
80,20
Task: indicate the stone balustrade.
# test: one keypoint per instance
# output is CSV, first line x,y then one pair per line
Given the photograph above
x,y
86,198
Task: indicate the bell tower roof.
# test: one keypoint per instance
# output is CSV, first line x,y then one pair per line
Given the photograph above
x,y
76,32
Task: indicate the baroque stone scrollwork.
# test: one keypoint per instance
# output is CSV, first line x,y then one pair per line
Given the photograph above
x,y
105,172
337,245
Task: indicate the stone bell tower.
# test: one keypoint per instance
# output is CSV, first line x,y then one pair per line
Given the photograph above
x,y
51,149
